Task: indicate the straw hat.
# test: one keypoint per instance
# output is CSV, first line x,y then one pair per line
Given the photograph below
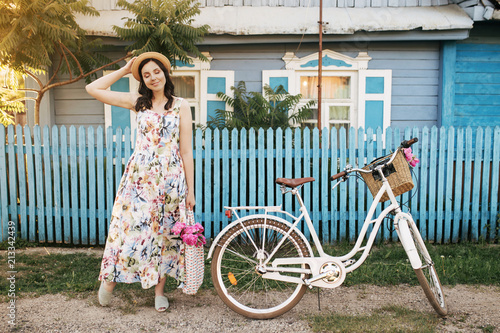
x,y
148,55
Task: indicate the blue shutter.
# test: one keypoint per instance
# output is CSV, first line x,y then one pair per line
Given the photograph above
x,y
213,82
275,78
275,82
120,117
375,98
214,86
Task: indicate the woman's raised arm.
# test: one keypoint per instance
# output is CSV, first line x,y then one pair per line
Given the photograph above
x,y
99,89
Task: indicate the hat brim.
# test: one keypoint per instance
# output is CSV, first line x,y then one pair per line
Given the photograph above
x,y
149,55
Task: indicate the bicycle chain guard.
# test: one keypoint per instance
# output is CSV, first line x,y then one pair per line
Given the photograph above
x,y
327,272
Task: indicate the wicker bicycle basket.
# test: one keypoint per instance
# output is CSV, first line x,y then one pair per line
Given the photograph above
x,y
398,174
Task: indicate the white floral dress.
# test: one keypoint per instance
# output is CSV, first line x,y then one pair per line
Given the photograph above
x,y
150,200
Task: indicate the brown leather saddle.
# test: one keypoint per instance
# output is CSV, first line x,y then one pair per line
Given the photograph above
x,y
294,182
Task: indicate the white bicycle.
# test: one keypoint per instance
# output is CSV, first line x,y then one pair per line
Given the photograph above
x,y
262,264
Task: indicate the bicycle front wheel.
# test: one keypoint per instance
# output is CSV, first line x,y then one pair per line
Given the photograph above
x,y
427,275
235,272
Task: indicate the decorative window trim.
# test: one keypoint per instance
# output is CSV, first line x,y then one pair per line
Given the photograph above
x,y
331,61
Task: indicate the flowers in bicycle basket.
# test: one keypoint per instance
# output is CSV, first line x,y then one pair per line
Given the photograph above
x,y
190,234
412,159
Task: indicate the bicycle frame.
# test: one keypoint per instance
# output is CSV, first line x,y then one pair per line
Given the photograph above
x,y
259,252
350,265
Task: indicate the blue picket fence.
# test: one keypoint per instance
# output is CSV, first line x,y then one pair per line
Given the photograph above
x,y
59,185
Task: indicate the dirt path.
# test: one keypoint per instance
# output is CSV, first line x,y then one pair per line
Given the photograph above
x,y
470,307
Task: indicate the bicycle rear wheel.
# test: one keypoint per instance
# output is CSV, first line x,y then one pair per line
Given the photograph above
x,y
427,275
234,268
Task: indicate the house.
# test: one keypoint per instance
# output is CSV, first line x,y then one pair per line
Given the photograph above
x,y
386,63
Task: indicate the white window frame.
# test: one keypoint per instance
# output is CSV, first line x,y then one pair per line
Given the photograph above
x,y
327,102
193,102
205,97
349,67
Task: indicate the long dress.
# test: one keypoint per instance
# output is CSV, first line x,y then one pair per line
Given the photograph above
x,y
150,200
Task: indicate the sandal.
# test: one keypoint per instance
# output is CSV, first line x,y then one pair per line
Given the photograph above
x,y
161,303
104,295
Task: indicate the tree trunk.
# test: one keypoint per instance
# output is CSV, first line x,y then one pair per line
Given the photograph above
x,y
38,101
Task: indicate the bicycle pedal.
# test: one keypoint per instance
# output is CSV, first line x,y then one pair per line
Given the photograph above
x,y
350,262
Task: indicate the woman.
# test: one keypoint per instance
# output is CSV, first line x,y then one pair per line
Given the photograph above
x,y
157,185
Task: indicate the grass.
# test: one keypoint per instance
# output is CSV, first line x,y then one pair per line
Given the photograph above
x,y
464,263
467,263
75,275
42,273
386,319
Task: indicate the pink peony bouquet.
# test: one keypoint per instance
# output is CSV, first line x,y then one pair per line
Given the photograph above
x,y
412,159
190,234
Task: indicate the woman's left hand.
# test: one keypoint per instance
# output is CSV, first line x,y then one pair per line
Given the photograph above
x,y
190,201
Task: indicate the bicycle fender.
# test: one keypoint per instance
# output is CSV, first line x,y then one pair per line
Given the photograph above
x,y
255,216
403,229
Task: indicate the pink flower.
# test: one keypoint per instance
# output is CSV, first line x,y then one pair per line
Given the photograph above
x,y
202,241
408,154
199,227
190,229
410,157
189,239
178,227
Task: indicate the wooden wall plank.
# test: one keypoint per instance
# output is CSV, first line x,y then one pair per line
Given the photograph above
x,y
23,197
495,174
4,198
352,188
57,185
92,191
101,187
39,184
65,186
82,170
325,186
12,165
475,228
198,165
458,181
207,185
218,205
435,232
315,193
30,173
75,207
467,183
306,165
485,181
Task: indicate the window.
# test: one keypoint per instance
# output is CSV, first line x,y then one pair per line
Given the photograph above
x,y
352,95
187,86
337,104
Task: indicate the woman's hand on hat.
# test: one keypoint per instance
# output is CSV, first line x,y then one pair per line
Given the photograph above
x,y
128,66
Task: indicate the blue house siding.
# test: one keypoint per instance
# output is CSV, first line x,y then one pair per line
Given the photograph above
x,y
471,79
477,84
415,80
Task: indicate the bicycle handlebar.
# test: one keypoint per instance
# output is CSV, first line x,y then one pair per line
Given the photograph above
x,y
408,143
341,174
404,144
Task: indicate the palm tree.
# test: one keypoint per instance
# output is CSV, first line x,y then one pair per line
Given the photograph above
x,y
275,109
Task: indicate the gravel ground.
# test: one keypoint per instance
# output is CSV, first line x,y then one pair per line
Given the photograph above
x,y
470,308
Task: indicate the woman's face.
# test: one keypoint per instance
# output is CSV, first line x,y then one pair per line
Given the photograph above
x,y
153,76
